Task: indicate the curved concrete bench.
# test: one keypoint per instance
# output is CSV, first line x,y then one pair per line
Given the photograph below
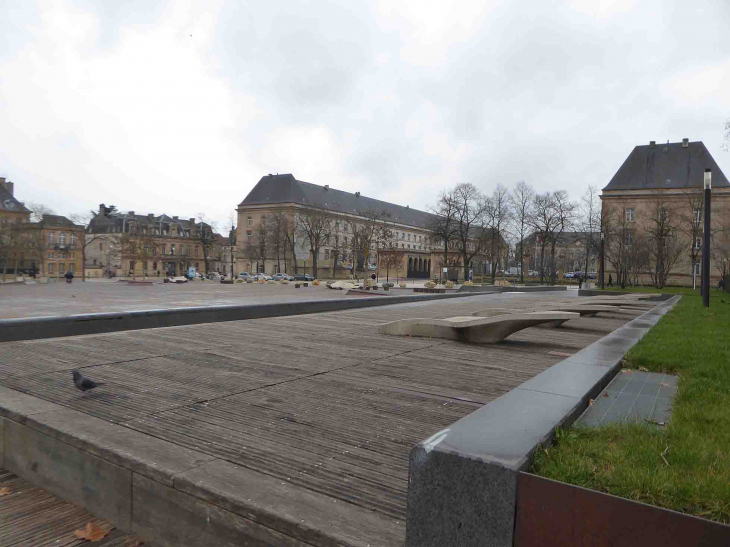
x,y
582,309
478,330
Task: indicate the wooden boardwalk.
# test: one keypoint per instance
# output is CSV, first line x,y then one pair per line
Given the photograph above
x,y
31,517
322,401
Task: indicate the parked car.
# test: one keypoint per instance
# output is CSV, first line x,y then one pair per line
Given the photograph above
x,y
533,273
568,275
244,274
280,276
215,276
263,276
579,274
303,277
592,275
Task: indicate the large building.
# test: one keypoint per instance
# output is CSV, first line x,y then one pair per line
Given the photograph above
x,y
128,244
653,215
281,216
47,248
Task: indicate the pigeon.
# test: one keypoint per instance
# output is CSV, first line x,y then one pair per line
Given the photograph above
x,y
83,383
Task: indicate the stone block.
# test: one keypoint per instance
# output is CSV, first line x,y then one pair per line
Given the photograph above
x,y
2,442
304,514
138,452
170,518
17,406
100,487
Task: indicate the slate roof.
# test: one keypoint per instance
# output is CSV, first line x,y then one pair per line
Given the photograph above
x,y
57,220
105,223
667,166
273,189
9,203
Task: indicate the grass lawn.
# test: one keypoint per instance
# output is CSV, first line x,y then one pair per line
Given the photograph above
x,y
627,460
689,291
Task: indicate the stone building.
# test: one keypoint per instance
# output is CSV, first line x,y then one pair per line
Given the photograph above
x,y
47,248
126,244
367,234
653,214
571,251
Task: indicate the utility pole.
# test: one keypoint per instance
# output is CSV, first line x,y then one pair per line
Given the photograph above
x,y
603,263
706,243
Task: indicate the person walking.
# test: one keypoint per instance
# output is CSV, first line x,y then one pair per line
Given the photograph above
x,y
610,280
580,281
69,276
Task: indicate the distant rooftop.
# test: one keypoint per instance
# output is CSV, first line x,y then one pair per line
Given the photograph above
x,y
276,189
670,165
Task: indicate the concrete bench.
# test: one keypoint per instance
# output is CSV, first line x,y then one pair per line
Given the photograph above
x,y
478,330
581,309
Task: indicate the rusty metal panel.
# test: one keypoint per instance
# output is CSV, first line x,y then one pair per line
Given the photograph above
x,y
552,513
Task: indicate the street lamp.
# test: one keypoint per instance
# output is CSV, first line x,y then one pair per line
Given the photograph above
x,y
706,244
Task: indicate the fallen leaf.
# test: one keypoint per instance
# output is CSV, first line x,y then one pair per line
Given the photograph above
x,y
605,393
590,402
4,491
643,369
91,533
627,371
665,384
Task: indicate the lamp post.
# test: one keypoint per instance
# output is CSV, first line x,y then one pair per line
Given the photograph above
x,y
603,265
706,243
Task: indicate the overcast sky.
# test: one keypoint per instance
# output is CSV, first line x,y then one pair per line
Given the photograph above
x,y
180,107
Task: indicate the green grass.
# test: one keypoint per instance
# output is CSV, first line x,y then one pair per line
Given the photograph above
x,y
689,291
626,460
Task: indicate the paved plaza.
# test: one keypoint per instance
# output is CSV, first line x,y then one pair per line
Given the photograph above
x,y
322,402
17,300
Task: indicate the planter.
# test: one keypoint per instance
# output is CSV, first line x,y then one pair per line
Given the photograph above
x,y
386,287
315,282
403,285
249,281
226,281
297,285
305,284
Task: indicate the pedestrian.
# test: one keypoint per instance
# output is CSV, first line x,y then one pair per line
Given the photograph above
x,y
610,280
580,281
69,276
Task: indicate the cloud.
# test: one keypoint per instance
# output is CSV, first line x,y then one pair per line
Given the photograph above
x,y
178,107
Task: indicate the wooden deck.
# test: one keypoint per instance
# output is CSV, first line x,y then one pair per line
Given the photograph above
x,y
322,401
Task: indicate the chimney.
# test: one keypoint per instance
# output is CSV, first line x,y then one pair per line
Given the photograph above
x,y
652,144
357,194
151,216
326,187
131,213
192,221
102,209
9,186
685,143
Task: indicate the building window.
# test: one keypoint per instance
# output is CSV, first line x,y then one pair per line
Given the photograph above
x,y
197,251
72,267
697,268
248,236
698,216
326,254
50,255
164,249
61,267
629,238
154,265
101,246
50,268
62,239
249,221
51,237
73,238
698,243
172,249
402,245
144,265
629,215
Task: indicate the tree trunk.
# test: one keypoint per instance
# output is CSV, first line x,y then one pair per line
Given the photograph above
x,y
314,263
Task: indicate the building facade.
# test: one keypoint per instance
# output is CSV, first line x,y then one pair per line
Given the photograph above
x,y
281,217
653,216
47,248
131,245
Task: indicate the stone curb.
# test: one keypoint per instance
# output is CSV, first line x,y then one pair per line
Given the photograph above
x,y
166,494
462,488
33,328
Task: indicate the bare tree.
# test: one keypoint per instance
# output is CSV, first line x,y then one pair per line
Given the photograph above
x,y
232,240
691,226
291,229
315,226
498,215
522,199
544,220
137,246
618,236
88,238
667,246
471,236
443,225
365,230
38,211
590,221
204,233
276,233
